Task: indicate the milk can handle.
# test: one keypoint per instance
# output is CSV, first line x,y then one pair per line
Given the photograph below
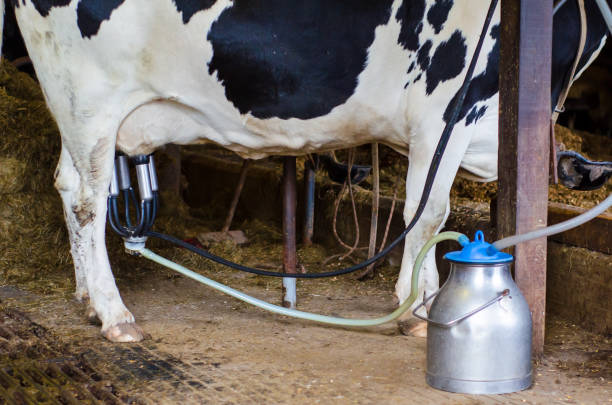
x,y
456,321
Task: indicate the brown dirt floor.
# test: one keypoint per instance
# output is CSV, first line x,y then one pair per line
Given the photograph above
x,y
208,348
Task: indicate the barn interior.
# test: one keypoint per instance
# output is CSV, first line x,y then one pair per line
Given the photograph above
x,y
207,348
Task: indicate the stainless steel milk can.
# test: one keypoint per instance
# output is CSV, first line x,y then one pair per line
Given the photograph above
x,y
479,325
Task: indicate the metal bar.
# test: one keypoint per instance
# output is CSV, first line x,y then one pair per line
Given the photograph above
x,y
309,191
236,197
289,233
524,127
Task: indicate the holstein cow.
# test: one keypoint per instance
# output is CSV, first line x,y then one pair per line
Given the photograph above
x,y
263,78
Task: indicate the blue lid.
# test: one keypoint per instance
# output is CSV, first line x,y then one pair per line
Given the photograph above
x,y
479,251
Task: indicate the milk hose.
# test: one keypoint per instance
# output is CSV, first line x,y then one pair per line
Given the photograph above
x,y
460,238
557,228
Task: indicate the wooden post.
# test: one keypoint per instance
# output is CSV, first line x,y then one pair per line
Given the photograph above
x,y
236,197
524,136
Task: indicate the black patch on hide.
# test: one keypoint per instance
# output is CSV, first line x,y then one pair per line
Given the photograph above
x,y
447,61
475,114
438,13
91,14
293,59
410,15
44,6
483,86
188,8
423,55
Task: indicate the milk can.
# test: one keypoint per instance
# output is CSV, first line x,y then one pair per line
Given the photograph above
x,y
479,325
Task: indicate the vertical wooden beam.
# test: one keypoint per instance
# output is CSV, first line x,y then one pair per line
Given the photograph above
x,y
524,136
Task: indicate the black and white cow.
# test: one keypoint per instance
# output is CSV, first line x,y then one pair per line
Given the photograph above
x,y
262,78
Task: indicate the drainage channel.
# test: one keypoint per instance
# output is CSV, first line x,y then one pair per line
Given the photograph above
x,y
36,368
39,367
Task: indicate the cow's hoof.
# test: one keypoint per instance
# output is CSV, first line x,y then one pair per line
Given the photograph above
x,y
413,327
124,332
92,316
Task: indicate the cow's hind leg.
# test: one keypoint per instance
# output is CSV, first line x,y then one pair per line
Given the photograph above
x,y
82,178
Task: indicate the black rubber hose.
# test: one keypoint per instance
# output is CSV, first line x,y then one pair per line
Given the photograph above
x,y
113,217
433,168
126,201
154,207
135,201
113,213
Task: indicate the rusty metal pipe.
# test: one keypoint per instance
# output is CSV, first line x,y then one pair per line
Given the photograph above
x,y
375,207
289,231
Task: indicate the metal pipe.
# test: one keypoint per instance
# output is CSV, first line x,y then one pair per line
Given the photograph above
x,y
289,233
375,207
124,172
144,177
309,191
153,174
113,189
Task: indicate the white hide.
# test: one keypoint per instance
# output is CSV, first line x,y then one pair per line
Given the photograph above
x,y
142,82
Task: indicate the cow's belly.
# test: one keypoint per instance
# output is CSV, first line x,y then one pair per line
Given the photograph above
x,y
156,75
257,91
159,122
258,86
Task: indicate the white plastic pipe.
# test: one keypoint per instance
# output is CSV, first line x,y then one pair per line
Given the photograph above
x,y
462,239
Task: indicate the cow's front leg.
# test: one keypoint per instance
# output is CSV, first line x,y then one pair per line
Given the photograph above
x,y
430,223
82,179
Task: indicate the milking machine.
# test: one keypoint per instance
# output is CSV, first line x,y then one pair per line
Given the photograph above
x,y
133,232
479,324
